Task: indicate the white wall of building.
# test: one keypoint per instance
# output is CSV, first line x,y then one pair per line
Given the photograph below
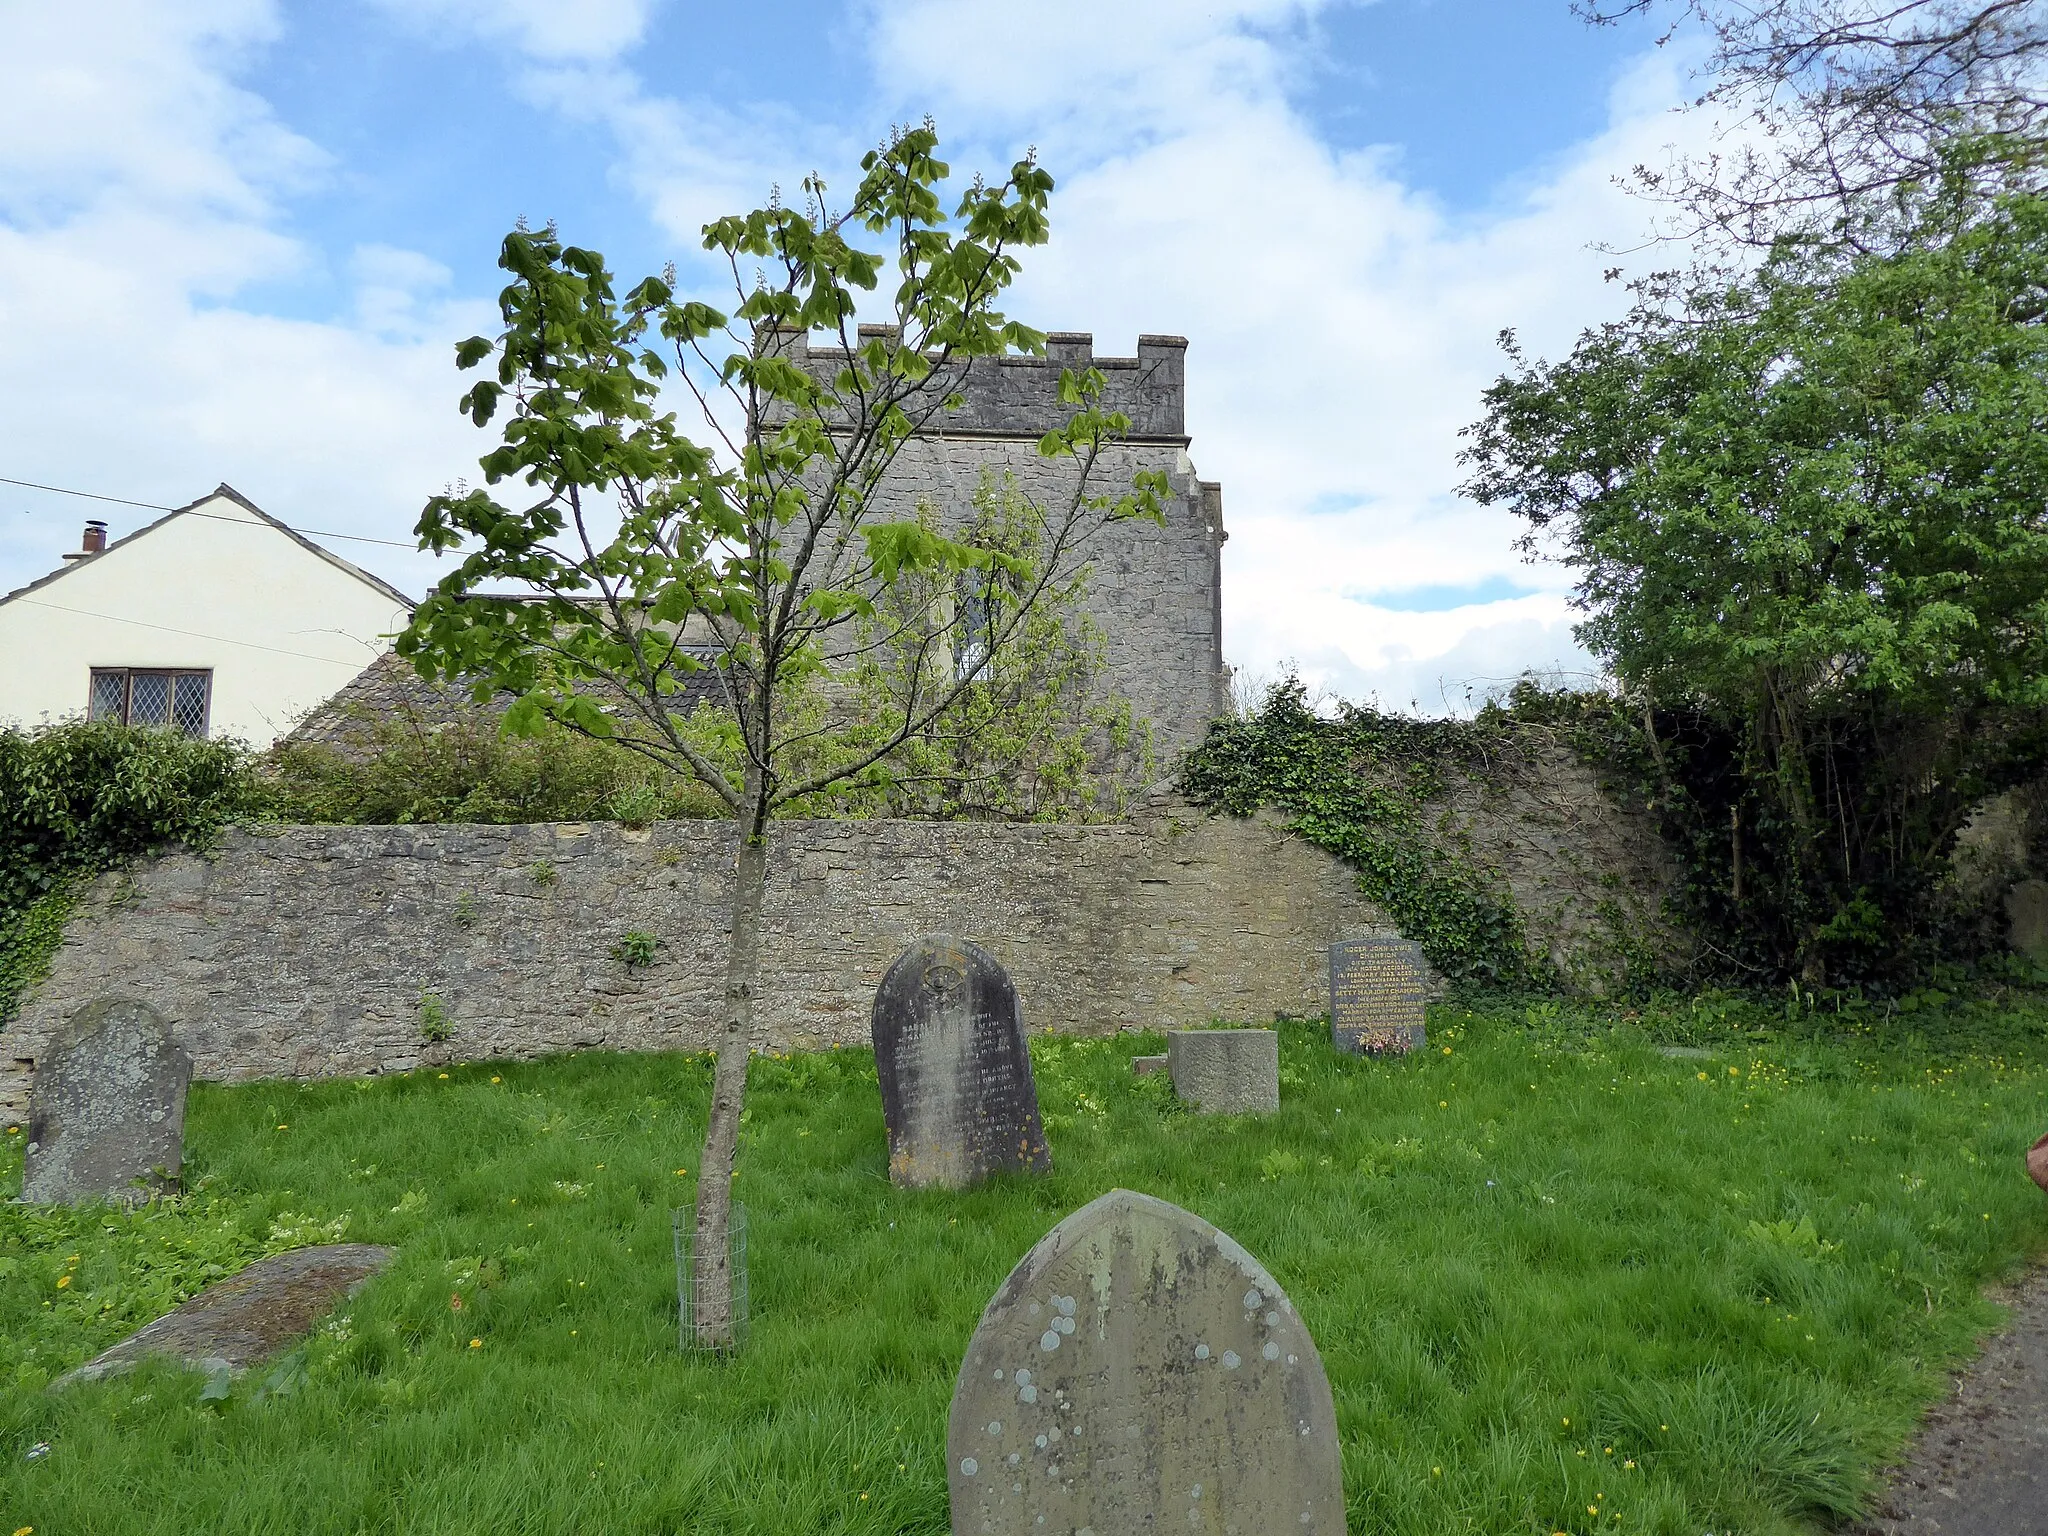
x,y
214,586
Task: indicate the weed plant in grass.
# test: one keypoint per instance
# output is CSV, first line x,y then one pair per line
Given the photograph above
x,y
1560,1282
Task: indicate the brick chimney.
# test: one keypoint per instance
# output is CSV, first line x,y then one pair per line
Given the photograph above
x,y
95,540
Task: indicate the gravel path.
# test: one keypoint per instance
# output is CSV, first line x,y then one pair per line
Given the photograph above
x,y
1980,1466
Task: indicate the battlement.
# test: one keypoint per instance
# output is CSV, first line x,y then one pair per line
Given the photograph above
x,y
1019,396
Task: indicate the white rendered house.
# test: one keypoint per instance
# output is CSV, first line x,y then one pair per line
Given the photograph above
x,y
215,619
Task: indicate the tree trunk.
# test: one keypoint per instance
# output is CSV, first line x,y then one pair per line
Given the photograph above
x,y
714,1321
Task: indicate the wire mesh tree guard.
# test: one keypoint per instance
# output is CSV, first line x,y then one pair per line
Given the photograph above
x,y
683,1225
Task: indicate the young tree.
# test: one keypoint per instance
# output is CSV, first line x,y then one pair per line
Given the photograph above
x,y
1806,508
762,553
1845,107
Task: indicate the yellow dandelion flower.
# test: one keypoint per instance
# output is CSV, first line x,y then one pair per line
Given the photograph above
x,y
1567,1423
497,1079
284,1127
63,1281
444,1077
1703,1077
26,1530
476,1343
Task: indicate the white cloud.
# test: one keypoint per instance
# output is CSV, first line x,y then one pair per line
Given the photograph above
x,y
553,30
147,202
1342,325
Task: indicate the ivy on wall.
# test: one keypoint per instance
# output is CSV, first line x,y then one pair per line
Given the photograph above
x,y
80,798
1362,785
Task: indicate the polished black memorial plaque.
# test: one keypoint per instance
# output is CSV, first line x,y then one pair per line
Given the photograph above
x,y
1378,990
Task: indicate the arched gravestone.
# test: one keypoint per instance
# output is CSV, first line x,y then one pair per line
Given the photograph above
x,y
956,1078
107,1108
1139,1371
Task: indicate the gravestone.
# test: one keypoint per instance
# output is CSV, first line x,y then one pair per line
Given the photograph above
x,y
1225,1071
1139,1371
108,1107
249,1317
957,1092
1378,991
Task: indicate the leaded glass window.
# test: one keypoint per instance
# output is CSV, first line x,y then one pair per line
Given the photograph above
x,y
153,696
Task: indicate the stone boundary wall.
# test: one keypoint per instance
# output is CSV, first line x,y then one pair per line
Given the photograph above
x,y
306,951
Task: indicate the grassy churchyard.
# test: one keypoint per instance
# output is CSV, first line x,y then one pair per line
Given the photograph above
x,y
1560,1281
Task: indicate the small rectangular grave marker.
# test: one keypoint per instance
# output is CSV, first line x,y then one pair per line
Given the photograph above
x,y
1378,990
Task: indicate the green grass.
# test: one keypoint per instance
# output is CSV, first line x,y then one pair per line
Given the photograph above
x,y
1745,1275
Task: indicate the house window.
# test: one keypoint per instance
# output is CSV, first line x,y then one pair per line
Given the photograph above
x,y
134,696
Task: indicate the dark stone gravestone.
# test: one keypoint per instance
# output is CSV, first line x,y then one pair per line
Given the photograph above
x,y
106,1116
1378,990
1139,1371
956,1078
245,1320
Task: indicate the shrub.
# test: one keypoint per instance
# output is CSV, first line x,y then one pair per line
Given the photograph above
x,y
82,797
407,769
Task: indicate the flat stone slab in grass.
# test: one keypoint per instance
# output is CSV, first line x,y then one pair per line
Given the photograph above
x,y
106,1118
1139,1371
242,1321
1225,1071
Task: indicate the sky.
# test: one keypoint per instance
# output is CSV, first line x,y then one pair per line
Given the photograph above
x,y
239,239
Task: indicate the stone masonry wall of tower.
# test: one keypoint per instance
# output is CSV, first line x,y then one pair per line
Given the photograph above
x,y
1155,591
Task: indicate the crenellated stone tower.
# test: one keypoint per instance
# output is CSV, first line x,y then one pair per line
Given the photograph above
x,y
1155,591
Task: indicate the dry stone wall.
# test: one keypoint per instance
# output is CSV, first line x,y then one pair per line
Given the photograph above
x,y
307,951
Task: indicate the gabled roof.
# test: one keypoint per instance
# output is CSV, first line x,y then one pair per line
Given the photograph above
x,y
231,494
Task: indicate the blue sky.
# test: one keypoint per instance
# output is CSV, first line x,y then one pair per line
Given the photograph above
x,y
237,238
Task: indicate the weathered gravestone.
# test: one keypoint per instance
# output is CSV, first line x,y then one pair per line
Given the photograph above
x,y
1225,1071
1139,1371
1378,991
108,1107
957,1092
246,1319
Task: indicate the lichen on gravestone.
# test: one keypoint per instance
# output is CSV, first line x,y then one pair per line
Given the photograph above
x,y
106,1117
1140,1371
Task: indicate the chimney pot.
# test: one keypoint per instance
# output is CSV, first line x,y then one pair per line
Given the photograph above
x,y
95,536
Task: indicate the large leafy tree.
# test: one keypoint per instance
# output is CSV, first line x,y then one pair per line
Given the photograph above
x,y
761,551
1809,513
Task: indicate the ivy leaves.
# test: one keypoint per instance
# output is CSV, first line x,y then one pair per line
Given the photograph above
x,y
1359,786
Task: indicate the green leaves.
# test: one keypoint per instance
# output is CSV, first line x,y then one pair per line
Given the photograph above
x,y
1806,506
643,557
1330,776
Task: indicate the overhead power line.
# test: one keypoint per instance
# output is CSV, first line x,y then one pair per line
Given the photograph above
x,y
153,506
190,634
